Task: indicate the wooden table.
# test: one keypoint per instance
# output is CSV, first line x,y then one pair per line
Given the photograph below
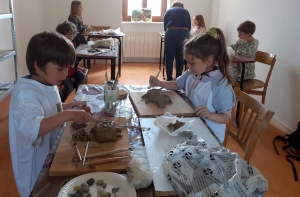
x,y
111,55
136,139
162,39
117,36
239,59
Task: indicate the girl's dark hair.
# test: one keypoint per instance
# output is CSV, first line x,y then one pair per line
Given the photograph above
x,y
48,47
74,9
66,27
247,27
203,47
200,19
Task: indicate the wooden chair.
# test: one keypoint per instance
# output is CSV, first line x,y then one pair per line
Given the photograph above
x,y
250,85
254,119
99,28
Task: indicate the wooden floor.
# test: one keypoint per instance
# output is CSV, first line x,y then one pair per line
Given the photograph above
x,y
274,167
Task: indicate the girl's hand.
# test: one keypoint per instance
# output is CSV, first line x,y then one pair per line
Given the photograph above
x,y
153,81
80,116
203,112
72,104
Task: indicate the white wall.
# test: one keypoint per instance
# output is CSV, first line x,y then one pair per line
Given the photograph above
x,y
28,21
277,30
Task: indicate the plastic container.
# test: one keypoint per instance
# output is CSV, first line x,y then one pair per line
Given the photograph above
x,y
125,112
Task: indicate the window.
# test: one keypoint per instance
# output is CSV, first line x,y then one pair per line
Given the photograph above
x,y
158,7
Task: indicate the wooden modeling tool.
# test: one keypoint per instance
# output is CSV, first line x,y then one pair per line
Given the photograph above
x,y
156,76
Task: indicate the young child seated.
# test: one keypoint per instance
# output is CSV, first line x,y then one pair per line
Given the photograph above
x,y
199,25
36,114
246,46
73,80
207,82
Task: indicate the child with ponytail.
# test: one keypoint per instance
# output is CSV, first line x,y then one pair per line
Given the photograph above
x,y
207,82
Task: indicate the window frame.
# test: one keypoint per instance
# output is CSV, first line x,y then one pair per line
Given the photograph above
x,y
160,18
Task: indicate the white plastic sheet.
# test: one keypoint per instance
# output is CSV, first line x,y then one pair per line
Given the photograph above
x,y
196,169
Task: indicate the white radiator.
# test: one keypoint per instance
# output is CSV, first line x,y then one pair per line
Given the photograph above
x,y
141,45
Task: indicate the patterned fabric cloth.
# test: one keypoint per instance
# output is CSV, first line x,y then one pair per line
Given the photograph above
x,y
247,49
196,31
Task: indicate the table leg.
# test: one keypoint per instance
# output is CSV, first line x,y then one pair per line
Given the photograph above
x,y
241,88
120,56
161,41
88,63
164,63
112,68
76,76
84,64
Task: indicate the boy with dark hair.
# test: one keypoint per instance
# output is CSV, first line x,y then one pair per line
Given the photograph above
x,y
36,114
246,46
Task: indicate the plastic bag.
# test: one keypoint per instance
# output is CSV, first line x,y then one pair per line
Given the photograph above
x,y
162,122
230,52
139,171
195,168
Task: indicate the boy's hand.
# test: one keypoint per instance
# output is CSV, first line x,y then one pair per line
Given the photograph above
x,y
153,81
73,104
80,116
203,112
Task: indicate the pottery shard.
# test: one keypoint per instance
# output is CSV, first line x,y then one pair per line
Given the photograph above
x,y
105,131
175,126
158,97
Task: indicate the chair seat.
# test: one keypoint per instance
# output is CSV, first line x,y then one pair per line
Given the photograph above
x,y
250,84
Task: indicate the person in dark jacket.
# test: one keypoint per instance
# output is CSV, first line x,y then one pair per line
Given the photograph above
x,y
177,24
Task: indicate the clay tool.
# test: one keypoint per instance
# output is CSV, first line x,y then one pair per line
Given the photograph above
x,y
132,126
86,148
157,75
101,161
116,82
106,78
77,151
106,153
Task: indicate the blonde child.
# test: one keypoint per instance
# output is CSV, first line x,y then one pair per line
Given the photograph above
x,y
199,26
207,82
247,46
37,116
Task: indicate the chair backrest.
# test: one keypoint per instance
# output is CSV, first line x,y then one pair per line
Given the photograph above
x,y
98,28
254,118
269,59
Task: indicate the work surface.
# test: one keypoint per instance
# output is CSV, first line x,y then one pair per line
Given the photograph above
x,y
63,166
178,106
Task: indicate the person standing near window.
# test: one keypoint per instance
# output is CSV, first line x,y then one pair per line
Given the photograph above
x,y
76,18
177,24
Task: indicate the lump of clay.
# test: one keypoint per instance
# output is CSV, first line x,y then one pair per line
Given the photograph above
x,y
158,97
78,126
81,135
175,126
105,131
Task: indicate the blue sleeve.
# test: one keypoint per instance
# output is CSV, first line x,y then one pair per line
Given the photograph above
x,y
223,96
181,80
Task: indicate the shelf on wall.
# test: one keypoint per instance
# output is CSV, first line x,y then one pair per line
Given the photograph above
x,y
5,15
4,54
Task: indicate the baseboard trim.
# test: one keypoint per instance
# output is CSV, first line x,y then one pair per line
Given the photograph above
x,y
277,123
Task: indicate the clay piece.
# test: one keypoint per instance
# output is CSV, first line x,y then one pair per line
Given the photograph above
x,y
81,135
78,126
175,126
158,97
105,131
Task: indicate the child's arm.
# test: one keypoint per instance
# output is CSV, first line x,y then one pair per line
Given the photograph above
x,y
170,85
50,123
203,112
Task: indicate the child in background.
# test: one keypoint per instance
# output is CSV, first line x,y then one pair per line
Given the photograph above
x,y
76,18
247,46
199,26
36,114
73,79
207,82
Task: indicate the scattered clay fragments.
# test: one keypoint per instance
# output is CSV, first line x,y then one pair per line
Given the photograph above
x,y
175,126
158,97
81,135
78,126
105,131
